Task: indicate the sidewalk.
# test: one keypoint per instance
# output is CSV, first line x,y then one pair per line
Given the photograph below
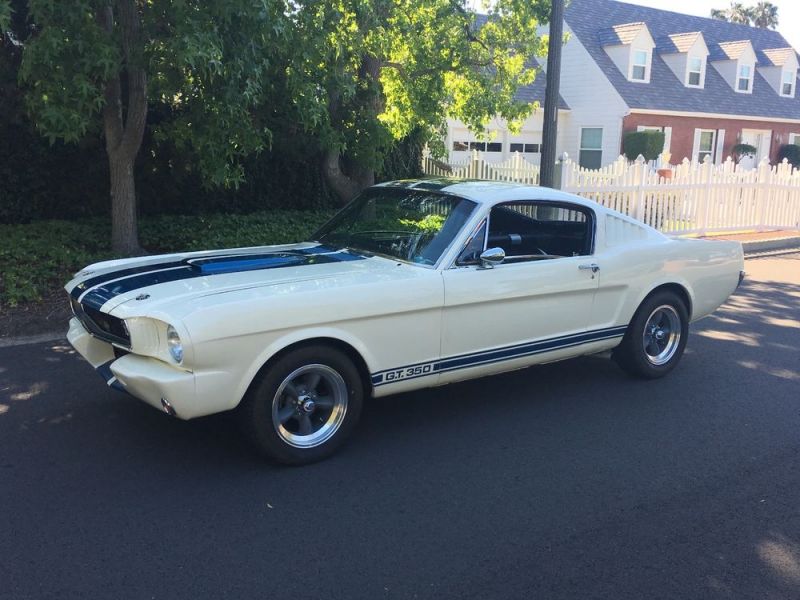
x,y
754,242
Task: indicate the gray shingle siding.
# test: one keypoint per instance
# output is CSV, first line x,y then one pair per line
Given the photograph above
x,y
665,91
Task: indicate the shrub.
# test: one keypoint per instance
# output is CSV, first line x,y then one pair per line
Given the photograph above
x,y
647,143
790,152
742,150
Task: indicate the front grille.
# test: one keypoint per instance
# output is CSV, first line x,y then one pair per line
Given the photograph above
x,y
101,325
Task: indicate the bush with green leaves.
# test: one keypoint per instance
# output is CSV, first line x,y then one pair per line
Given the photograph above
x,y
790,152
649,144
742,150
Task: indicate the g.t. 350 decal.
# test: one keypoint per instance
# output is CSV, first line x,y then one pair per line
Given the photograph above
x,y
408,372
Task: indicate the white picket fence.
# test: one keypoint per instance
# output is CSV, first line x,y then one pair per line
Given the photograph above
x,y
693,198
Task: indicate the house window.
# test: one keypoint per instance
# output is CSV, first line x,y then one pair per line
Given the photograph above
x,y
639,68
745,81
794,138
460,146
526,148
705,144
494,147
478,146
787,84
590,155
695,72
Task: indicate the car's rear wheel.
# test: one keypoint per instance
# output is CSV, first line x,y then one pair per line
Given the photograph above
x,y
304,406
656,337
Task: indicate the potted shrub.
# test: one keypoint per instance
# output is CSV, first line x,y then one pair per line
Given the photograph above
x,y
742,150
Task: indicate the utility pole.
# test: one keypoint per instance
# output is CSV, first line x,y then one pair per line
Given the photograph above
x,y
549,134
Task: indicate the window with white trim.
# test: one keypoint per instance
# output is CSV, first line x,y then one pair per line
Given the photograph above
x,y
694,75
640,65
706,142
744,82
794,138
787,83
590,154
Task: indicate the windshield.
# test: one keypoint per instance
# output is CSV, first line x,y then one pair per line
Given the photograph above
x,y
410,225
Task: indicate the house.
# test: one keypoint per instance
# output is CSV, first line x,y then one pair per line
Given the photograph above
x,y
706,83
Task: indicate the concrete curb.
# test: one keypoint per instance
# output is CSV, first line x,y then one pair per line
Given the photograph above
x,y
32,339
784,243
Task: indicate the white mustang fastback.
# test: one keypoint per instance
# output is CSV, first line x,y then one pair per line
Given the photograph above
x,y
413,284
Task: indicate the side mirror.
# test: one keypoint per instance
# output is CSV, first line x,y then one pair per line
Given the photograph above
x,y
491,257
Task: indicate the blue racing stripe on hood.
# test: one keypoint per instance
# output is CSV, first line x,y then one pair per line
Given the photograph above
x,y
209,266
88,284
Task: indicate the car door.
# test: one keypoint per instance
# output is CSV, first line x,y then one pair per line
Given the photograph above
x,y
533,307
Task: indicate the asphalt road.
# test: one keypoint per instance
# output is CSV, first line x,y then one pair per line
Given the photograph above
x,y
563,481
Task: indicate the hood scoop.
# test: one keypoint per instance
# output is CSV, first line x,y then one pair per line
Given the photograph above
x,y
236,264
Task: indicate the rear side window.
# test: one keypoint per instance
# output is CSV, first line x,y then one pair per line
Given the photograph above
x,y
540,230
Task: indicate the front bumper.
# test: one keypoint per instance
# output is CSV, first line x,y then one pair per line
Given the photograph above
x,y
151,380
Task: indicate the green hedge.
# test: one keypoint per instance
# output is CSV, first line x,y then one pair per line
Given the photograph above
x,y
647,143
790,152
36,259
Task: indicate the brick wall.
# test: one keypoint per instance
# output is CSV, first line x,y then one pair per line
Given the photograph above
x,y
683,132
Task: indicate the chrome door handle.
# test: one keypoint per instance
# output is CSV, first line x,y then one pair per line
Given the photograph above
x,y
593,267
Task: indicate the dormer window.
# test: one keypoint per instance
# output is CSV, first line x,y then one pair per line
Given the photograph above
x,y
787,84
685,54
695,74
640,65
744,82
736,63
630,46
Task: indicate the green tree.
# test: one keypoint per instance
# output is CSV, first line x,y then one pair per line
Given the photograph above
x,y
372,71
765,15
736,13
95,66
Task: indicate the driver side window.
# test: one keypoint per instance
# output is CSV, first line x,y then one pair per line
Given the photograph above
x,y
529,231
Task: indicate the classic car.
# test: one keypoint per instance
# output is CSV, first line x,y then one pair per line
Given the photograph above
x,y
413,284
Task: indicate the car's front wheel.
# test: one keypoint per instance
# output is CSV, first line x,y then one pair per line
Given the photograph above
x,y
303,406
656,336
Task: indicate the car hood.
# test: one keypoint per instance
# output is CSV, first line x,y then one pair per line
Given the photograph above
x,y
153,281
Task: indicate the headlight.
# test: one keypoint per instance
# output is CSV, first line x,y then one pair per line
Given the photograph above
x,y
174,344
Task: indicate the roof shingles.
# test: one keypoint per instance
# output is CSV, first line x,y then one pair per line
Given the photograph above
x,y
587,18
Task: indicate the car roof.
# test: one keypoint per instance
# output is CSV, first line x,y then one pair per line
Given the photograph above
x,y
485,192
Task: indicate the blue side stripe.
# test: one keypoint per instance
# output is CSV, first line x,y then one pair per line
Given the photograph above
x,y
483,357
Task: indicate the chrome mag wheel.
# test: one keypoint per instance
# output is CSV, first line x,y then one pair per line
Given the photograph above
x,y
662,335
309,406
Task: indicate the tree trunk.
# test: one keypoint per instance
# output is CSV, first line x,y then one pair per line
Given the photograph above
x,y
344,186
124,134
347,186
124,225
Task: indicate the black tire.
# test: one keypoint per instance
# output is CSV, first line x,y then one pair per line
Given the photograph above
x,y
262,409
639,358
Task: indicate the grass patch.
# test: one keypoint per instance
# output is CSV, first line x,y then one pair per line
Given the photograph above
x,y
36,259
